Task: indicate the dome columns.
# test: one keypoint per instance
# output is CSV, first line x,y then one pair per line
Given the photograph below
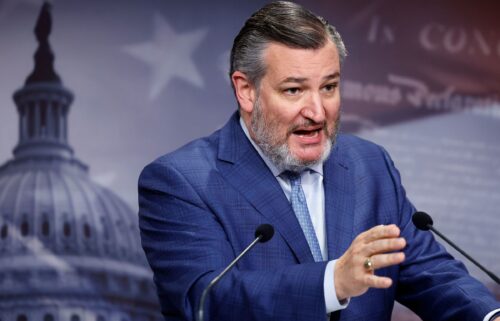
x,y
43,120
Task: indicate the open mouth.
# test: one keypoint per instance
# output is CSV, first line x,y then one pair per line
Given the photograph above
x,y
307,133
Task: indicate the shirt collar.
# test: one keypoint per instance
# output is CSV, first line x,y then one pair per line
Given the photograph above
x,y
317,168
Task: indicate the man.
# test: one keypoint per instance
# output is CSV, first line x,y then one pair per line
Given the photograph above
x,y
344,245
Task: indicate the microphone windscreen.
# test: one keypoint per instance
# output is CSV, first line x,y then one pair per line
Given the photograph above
x,y
266,231
422,221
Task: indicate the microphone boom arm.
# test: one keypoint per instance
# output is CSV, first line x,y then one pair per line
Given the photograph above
x,y
218,277
489,273
263,233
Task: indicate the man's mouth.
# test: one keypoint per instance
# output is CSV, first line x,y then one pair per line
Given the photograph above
x,y
307,133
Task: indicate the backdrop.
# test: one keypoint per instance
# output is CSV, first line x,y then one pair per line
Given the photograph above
x,y
421,79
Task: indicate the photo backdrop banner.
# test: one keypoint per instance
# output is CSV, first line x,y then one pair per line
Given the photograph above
x,y
421,79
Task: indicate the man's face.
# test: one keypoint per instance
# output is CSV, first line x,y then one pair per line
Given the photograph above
x,y
295,117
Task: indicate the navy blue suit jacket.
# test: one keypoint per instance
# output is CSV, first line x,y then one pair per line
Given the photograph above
x,y
199,207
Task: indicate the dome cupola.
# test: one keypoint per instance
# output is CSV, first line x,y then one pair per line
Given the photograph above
x,y
43,103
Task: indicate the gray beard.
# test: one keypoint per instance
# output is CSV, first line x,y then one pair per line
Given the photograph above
x,y
277,151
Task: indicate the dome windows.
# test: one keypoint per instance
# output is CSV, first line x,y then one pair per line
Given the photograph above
x,y
67,229
22,317
105,231
144,286
4,232
48,317
86,230
45,227
25,228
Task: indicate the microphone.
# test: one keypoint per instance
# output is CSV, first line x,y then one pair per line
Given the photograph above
x,y
263,233
423,221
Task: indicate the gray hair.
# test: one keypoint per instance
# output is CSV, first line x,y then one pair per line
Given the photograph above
x,y
283,22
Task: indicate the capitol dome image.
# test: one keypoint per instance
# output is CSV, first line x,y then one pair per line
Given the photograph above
x,y
69,248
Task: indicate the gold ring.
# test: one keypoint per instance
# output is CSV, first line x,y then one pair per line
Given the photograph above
x,y
368,264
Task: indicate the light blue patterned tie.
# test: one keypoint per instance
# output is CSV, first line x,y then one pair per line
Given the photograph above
x,y
299,205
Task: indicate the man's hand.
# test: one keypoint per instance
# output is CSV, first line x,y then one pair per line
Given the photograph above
x,y
352,276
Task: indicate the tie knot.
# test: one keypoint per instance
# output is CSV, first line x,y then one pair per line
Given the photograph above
x,y
293,177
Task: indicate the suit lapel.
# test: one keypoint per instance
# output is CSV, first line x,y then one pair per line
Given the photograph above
x,y
339,202
243,168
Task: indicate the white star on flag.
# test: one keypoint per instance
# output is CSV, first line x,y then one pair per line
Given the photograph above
x,y
169,55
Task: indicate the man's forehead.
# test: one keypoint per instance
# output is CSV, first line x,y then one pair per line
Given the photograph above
x,y
287,64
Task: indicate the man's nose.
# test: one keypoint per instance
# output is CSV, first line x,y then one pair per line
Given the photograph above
x,y
313,108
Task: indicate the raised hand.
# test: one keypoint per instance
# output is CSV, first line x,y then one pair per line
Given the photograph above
x,y
370,250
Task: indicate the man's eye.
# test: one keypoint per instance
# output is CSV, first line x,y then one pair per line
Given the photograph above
x,y
292,91
330,87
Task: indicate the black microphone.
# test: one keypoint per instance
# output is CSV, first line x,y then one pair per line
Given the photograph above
x,y
423,221
263,233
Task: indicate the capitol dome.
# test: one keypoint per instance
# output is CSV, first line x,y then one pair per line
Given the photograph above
x,y
69,248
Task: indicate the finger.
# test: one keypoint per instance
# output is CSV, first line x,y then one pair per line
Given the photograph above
x,y
380,232
385,245
384,260
379,282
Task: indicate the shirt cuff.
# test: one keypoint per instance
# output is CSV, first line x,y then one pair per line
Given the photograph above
x,y
491,315
331,302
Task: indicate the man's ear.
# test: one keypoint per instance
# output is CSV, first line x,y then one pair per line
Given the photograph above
x,y
244,90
